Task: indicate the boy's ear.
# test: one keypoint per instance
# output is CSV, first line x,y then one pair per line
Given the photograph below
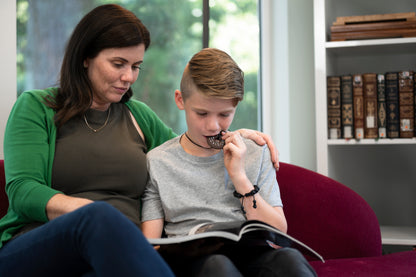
x,y
179,100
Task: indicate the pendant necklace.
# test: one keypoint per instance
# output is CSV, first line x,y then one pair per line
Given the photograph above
x,y
186,135
215,142
99,129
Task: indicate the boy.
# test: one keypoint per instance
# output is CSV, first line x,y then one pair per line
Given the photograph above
x,y
193,180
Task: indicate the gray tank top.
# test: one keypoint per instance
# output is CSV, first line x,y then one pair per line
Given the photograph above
x,y
107,165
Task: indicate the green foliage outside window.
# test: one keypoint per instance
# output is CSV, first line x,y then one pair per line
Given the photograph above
x,y
43,27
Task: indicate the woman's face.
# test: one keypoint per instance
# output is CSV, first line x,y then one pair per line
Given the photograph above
x,y
112,72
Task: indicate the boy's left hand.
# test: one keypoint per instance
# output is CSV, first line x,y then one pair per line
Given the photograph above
x,y
261,139
234,153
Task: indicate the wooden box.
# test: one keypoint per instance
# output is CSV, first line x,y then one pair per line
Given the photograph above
x,y
374,26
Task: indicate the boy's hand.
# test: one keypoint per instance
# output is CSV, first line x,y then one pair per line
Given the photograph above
x,y
261,139
234,154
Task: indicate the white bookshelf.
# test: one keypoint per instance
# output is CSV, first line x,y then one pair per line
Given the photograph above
x,y
392,235
382,171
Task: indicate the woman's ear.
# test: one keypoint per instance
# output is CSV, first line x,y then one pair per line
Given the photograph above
x,y
179,100
86,63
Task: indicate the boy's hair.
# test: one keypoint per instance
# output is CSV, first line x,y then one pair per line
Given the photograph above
x,y
215,74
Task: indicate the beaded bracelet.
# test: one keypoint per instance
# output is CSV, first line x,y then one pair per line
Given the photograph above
x,y
251,193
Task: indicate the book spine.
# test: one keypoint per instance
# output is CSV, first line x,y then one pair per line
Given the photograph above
x,y
347,107
370,105
334,107
381,107
358,103
392,104
414,91
406,104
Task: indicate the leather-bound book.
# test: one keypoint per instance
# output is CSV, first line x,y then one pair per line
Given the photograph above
x,y
370,105
406,104
347,122
381,107
392,104
334,107
358,105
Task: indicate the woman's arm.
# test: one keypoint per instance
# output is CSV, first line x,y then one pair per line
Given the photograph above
x,y
29,142
61,204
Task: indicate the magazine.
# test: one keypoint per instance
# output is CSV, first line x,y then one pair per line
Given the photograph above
x,y
212,236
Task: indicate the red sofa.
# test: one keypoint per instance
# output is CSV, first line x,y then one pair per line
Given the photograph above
x,y
339,224
4,202
332,219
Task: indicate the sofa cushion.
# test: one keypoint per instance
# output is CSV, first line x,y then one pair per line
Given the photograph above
x,y
327,215
396,264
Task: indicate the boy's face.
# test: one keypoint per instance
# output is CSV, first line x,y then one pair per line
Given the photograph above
x,y
205,116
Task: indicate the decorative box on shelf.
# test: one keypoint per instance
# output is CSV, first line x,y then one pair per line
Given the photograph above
x,y
395,25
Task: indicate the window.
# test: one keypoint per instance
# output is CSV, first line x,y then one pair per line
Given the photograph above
x,y
176,28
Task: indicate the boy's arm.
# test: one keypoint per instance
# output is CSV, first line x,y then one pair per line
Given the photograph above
x,y
263,210
153,228
234,160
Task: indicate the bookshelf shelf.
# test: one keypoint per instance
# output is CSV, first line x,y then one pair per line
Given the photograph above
x,y
372,47
371,141
382,171
395,235
371,43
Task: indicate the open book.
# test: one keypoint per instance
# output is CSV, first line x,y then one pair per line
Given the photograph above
x,y
251,233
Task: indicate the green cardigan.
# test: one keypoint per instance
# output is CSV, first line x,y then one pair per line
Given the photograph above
x,y
29,149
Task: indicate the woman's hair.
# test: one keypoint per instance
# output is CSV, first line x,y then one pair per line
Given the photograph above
x,y
213,73
107,26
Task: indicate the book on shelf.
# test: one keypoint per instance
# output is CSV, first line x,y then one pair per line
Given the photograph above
x,y
358,106
334,107
392,104
213,237
347,120
406,104
381,107
370,105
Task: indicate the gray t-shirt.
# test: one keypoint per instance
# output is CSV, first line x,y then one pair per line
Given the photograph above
x,y
187,190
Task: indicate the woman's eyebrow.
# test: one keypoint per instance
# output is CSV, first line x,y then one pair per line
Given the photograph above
x,y
125,60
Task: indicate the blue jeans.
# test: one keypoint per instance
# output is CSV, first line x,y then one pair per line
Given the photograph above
x,y
96,240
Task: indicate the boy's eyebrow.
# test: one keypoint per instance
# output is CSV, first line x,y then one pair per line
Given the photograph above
x,y
207,110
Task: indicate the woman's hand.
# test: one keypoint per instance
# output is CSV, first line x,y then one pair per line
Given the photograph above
x,y
60,204
261,139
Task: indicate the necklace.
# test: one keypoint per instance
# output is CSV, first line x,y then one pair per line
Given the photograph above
x,y
186,135
99,129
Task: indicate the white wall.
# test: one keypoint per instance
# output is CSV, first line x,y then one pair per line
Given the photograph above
x,y
288,86
288,79
7,64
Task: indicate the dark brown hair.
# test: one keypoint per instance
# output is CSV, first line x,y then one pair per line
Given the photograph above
x,y
106,26
214,73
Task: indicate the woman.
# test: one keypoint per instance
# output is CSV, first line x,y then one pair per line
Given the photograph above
x,y
75,160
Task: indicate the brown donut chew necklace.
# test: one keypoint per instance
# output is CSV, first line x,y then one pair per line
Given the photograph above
x,y
216,141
